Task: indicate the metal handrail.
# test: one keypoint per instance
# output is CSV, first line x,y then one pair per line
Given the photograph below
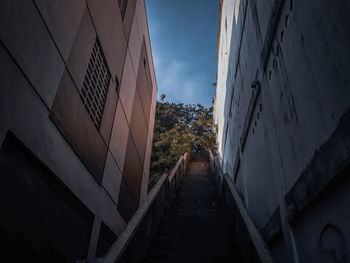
x,y
256,239
117,250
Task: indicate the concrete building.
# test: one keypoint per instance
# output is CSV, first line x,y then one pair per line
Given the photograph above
x,y
77,102
283,113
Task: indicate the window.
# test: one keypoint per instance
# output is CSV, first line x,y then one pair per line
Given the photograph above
x,y
117,85
96,84
122,6
286,22
231,103
282,36
226,135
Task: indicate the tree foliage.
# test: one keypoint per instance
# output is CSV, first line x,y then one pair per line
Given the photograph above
x,y
179,128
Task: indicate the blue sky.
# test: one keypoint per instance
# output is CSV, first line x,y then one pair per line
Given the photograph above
x,y
184,46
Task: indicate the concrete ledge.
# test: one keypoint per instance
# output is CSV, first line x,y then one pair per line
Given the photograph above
x,y
325,167
252,245
327,163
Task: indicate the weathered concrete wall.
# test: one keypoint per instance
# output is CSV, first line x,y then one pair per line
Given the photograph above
x,y
46,51
284,137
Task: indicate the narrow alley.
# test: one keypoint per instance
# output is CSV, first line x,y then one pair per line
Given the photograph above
x,y
196,228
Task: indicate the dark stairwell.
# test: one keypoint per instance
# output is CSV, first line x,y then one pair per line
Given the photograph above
x,y
194,214
196,228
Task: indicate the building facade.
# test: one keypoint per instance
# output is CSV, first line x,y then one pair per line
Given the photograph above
x,y
77,104
283,112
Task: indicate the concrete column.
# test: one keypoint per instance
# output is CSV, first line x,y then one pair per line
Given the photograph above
x,y
94,239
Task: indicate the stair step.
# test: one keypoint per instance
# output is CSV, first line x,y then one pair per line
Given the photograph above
x,y
195,228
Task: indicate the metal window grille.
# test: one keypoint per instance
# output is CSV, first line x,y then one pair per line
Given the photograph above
x,y
96,84
122,6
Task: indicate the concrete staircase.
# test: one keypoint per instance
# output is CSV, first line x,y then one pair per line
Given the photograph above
x,y
195,228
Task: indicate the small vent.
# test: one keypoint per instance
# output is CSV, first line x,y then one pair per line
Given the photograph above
x,y
95,86
122,5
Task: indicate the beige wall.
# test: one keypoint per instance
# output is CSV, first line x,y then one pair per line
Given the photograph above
x,y
45,51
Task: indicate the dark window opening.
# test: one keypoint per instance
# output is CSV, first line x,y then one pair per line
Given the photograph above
x,y
96,84
226,136
236,169
122,5
287,21
117,85
231,103
144,63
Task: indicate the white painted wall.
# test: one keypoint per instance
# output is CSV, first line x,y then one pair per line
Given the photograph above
x,y
224,42
304,98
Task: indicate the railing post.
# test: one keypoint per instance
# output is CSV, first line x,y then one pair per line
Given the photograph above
x,y
132,243
251,234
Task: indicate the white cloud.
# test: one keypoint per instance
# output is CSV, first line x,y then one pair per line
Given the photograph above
x,y
175,79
